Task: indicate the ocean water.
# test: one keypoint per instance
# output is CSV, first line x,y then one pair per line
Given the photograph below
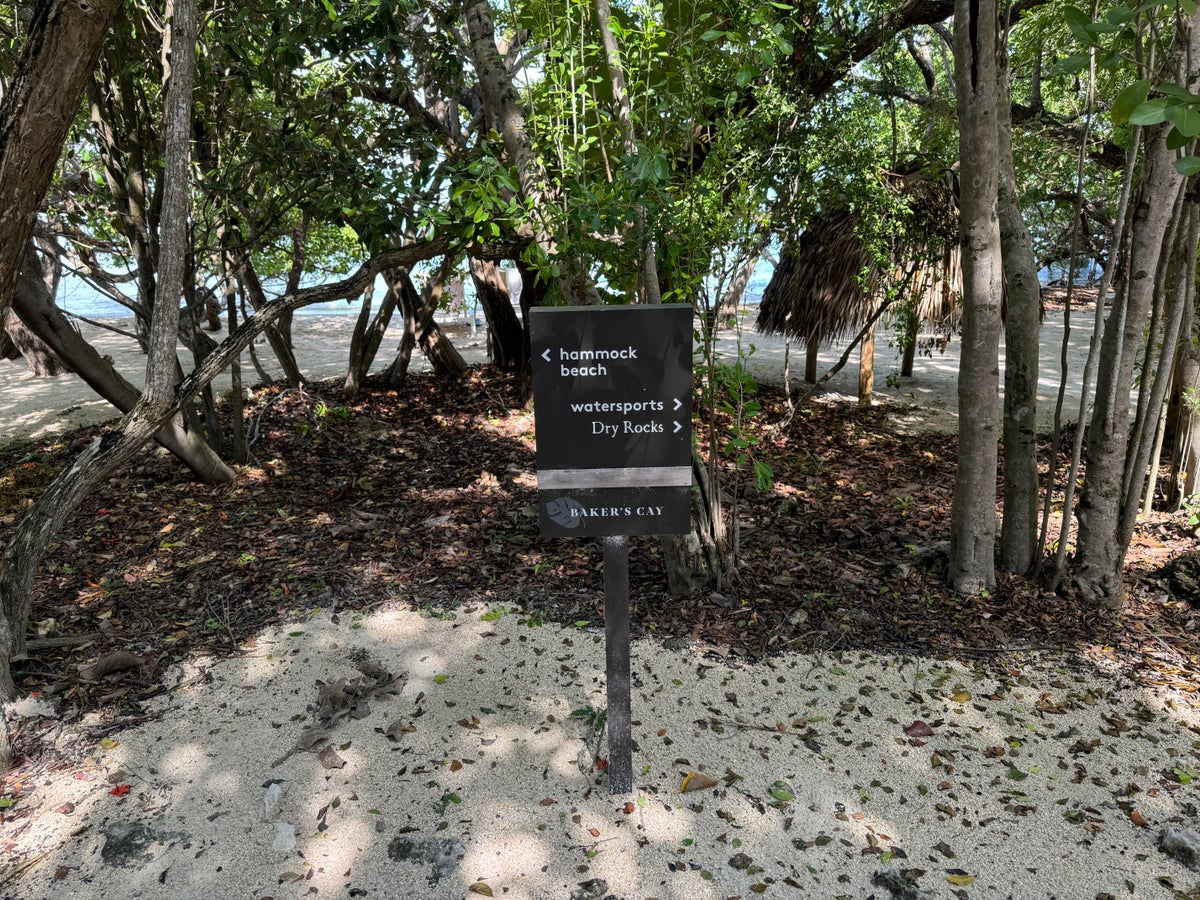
x,y
80,299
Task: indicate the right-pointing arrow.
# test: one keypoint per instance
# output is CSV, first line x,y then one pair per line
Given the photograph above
x,y
678,404
678,428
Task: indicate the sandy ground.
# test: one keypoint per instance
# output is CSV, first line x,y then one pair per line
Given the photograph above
x,y
834,775
32,406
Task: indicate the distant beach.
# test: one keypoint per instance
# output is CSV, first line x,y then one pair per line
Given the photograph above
x,y
31,406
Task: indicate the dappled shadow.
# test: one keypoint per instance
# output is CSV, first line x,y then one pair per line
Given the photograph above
x,y
428,497
818,774
408,517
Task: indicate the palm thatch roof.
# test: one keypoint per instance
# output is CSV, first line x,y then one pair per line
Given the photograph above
x,y
827,283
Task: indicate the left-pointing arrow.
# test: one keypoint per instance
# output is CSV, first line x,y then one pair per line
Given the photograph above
x,y
546,354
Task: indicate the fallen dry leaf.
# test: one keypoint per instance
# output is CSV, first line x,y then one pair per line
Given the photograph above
x,y
330,760
695,781
116,661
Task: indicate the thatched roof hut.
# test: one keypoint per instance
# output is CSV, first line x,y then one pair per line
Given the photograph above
x,y
827,284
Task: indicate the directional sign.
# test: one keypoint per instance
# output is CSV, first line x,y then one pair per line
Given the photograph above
x,y
612,389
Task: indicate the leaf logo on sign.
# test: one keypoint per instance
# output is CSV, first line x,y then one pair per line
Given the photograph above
x,y
565,512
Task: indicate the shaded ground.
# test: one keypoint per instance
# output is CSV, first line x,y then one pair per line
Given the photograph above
x,y
430,494
193,654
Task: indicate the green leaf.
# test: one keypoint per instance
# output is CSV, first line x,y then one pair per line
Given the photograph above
x,y
1187,120
1073,64
1188,7
1119,15
1188,166
1152,112
1080,24
440,679
1130,99
1177,140
1180,93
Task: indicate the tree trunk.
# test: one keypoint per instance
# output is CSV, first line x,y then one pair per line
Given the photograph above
x,y
648,286
1100,554
43,521
367,336
503,113
237,414
866,368
1019,531
1180,299
1183,427
420,328
973,511
911,324
33,303
29,347
447,362
277,336
37,112
508,338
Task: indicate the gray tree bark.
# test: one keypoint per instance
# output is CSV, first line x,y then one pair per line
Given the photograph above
x,y
502,112
508,338
973,511
1019,530
38,527
36,113
33,303
1101,548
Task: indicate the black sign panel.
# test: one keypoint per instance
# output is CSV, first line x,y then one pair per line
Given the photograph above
x,y
612,389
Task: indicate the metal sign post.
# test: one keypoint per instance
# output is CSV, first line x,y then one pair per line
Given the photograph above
x,y
612,388
616,663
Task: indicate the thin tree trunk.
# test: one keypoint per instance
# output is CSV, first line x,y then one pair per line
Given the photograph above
x,y
27,346
33,303
508,350
36,114
1019,529
420,328
911,325
648,273
237,417
503,113
973,510
366,337
1100,555
277,337
866,368
1120,230
1181,294
1185,458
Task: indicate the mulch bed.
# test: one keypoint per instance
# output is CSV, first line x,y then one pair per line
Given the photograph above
x,y
426,497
